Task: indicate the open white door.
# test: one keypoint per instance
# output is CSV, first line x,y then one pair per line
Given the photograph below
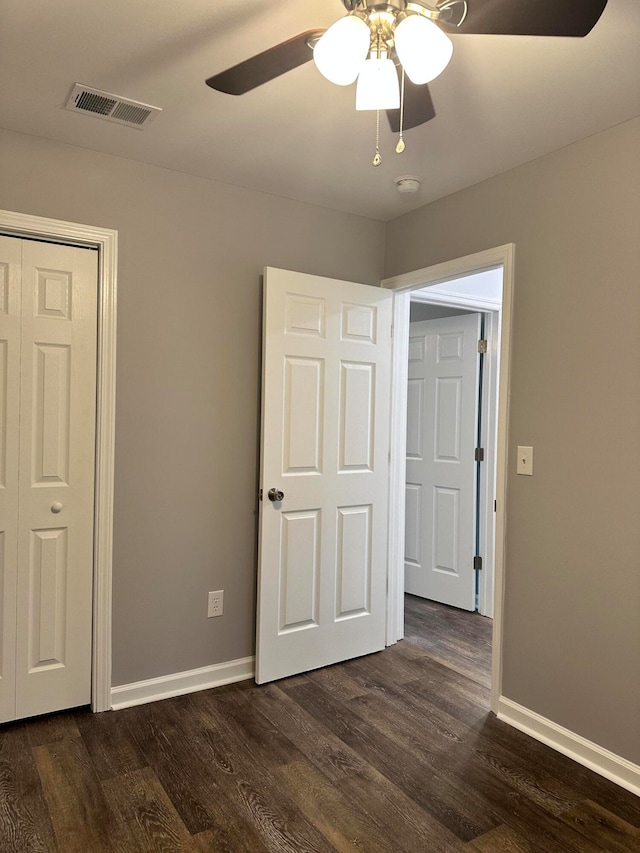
x,y
325,445
442,418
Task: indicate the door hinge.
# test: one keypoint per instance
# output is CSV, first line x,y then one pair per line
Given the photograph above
x,y
479,454
260,495
477,563
482,346
495,506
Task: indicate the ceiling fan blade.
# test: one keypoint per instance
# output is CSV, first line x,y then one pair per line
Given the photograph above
x,y
531,17
418,107
265,66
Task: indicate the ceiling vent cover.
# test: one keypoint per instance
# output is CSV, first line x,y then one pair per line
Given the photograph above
x,y
84,99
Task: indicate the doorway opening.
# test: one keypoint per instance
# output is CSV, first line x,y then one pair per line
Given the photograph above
x,y
490,489
452,395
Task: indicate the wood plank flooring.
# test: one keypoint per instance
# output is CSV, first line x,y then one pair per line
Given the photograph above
x,y
392,753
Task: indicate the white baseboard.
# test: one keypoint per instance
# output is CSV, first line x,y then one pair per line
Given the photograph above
x,y
584,751
179,683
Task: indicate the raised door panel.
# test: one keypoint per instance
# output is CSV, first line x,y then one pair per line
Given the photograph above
x,y
415,426
50,426
55,544
449,347
300,554
47,599
302,436
447,419
359,323
357,424
413,524
353,571
10,310
304,315
414,573
446,530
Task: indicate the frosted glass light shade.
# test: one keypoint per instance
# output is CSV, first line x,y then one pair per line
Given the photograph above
x,y
378,87
342,49
422,48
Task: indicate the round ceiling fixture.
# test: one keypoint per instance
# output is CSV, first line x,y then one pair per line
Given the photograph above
x,y
408,183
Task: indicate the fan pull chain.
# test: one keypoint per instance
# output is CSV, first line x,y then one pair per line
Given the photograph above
x,y
401,146
377,159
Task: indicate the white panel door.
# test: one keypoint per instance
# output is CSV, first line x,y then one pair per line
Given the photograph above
x,y
325,444
442,417
52,493
10,311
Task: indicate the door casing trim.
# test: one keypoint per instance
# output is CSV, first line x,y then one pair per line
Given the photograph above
x,y
106,242
402,286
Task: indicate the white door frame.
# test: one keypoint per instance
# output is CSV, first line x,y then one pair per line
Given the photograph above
x,y
106,242
403,285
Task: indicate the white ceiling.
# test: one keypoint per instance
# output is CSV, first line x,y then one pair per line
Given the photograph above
x,y
485,285
501,102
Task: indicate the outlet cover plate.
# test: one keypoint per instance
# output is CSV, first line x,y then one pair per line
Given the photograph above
x,y
215,606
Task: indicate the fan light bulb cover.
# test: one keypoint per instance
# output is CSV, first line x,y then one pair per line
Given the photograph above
x,y
342,49
378,87
422,48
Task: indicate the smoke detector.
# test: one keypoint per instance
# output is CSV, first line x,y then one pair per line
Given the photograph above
x,y
408,183
85,99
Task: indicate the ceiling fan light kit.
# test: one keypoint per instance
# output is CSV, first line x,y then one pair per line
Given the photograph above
x,y
422,48
377,41
378,87
398,33
343,48
394,48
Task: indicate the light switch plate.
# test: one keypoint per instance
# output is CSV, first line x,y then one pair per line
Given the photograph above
x,y
525,460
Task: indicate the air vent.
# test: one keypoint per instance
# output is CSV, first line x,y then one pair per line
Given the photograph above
x,y
104,105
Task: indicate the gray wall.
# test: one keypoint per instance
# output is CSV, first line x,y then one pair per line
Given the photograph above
x,y
572,619
423,311
191,254
189,302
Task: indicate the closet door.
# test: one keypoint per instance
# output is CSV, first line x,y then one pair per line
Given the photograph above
x,y
56,478
10,310
56,501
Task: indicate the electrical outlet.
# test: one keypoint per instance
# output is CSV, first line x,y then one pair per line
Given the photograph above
x,y
216,603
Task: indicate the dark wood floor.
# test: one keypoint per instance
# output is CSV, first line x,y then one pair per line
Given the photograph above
x,y
393,753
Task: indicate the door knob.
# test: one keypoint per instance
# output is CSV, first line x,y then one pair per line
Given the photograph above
x,y
275,495
56,507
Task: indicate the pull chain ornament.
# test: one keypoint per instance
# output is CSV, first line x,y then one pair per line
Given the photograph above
x,y
377,159
401,146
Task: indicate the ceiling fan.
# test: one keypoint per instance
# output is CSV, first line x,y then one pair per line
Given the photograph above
x,y
393,30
